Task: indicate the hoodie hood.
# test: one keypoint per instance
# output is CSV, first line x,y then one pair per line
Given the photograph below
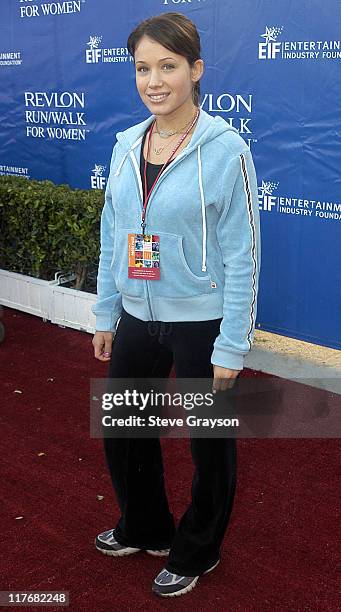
x,y
206,129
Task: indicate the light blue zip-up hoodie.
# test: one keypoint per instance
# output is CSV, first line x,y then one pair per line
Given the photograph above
x,y
205,209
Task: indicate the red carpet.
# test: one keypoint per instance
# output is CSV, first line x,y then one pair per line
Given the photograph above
x,y
280,549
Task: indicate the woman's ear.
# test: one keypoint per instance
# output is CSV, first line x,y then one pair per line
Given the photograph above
x,y
197,70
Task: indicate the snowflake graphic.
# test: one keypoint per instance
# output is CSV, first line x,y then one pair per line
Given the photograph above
x,y
271,33
94,41
98,170
267,188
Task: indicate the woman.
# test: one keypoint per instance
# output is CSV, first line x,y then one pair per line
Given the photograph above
x,y
182,192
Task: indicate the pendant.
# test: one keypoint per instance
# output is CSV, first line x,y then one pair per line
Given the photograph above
x,y
158,151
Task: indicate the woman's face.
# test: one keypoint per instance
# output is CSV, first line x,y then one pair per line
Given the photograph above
x,y
164,79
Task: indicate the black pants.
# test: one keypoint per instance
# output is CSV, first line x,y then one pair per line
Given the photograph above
x,y
136,466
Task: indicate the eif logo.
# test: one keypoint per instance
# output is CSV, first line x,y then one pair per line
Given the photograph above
x,y
97,180
266,200
270,48
93,55
98,54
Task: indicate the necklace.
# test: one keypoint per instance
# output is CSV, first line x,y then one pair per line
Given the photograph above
x,y
159,150
167,134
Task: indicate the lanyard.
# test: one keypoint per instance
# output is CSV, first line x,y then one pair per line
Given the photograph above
x,y
146,193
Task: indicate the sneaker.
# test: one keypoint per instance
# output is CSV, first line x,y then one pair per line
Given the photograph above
x,y
107,544
167,584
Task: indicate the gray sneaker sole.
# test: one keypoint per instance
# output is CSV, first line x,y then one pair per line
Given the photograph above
x,y
117,553
159,553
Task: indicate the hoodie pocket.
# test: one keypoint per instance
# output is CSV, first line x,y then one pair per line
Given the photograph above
x,y
119,265
185,264
176,277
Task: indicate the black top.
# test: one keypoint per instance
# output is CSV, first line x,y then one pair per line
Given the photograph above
x,y
152,169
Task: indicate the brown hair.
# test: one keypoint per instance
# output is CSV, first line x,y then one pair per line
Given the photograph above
x,y
175,32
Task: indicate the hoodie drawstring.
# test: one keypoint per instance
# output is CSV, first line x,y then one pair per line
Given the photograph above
x,y
126,155
203,212
202,197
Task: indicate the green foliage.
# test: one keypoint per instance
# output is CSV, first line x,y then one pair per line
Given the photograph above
x,y
46,227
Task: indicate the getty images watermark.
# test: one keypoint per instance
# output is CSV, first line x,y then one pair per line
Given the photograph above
x,y
256,407
159,401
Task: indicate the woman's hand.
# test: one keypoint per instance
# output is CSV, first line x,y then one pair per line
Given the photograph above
x,y
224,378
102,343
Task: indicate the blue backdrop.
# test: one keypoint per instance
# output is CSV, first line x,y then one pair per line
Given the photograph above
x,y
67,85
